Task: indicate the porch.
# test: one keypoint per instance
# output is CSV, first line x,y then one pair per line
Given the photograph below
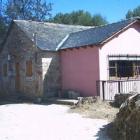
x,y
109,88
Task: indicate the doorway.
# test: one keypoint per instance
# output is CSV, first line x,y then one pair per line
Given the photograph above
x,y
17,77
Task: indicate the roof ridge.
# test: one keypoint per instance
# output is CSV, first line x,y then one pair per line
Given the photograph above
x,y
101,26
55,24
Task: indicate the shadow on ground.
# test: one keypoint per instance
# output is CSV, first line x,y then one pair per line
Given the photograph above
x,y
109,131
105,132
22,101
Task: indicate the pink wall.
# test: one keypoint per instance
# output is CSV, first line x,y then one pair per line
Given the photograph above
x,y
80,70
126,43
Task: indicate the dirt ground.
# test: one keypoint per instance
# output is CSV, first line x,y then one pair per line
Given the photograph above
x,y
48,122
98,110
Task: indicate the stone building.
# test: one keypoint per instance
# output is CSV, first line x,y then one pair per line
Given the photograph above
x,y
29,61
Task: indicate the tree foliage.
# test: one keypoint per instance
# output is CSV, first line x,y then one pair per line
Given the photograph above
x,y
28,9
79,18
2,22
2,28
41,10
133,13
98,20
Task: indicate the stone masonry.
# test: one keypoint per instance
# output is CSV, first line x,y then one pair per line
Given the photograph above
x,y
45,80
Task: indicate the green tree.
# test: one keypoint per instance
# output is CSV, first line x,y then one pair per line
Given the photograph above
x,y
28,9
2,22
62,18
98,20
2,29
40,10
79,18
2,26
133,13
129,14
136,11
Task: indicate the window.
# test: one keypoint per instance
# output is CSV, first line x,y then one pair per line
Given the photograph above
x,y
124,68
136,67
29,72
4,70
112,68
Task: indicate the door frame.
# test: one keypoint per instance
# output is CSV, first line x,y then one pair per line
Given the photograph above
x,y
17,76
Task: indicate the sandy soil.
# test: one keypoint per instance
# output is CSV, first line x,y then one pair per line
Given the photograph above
x,y
47,122
98,110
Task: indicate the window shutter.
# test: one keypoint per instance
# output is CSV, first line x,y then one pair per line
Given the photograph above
x,y
5,70
29,72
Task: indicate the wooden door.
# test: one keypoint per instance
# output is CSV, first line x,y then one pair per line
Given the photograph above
x,y
17,78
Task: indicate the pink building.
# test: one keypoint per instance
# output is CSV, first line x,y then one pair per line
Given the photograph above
x,y
110,52
80,70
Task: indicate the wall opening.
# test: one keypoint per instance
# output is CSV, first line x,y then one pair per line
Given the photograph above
x,y
124,66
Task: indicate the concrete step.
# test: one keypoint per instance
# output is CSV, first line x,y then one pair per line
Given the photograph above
x,y
62,101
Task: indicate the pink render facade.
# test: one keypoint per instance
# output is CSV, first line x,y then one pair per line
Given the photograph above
x,y
125,43
81,68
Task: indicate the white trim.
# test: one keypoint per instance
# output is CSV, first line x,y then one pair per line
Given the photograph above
x,y
106,40
62,42
129,58
28,78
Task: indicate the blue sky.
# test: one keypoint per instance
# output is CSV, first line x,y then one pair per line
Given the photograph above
x,y
112,10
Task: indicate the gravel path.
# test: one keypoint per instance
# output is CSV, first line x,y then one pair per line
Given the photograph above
x,y
47,122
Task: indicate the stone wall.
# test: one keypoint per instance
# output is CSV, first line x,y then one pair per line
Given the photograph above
x,y
45,66
50,73
17,50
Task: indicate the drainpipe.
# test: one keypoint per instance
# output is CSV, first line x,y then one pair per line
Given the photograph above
x,y
35,45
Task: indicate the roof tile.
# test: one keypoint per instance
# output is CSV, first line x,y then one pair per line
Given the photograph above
x,y
48,35
95,36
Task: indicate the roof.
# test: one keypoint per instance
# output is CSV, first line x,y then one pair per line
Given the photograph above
x,y
47,36
97,35
54,37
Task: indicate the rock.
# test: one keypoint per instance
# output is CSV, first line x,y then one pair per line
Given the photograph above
x,y
73,94
38,100
127,121
120,98
87,100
